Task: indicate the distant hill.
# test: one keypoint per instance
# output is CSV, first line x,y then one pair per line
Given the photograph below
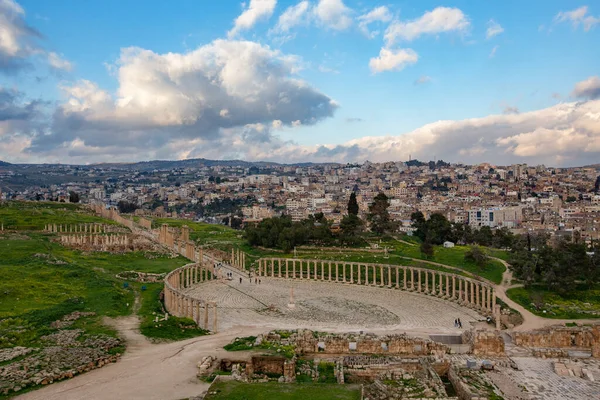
x,y
4,163
192,163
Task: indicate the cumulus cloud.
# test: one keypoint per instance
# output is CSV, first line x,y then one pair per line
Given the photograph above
x,y
493,29
378,14
258,10
439,20
293,16
333,14
163,98
57,62
577,17
587,89
565,134
17,39
19,42
392,60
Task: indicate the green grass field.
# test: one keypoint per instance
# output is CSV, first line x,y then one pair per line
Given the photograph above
x,y
274,391
583,303
29,215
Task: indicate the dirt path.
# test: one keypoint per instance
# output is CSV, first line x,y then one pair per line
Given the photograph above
x,y
530,320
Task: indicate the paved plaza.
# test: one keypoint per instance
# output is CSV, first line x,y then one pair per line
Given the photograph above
x,y
330,306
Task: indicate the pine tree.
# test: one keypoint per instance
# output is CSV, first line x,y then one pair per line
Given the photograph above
x,y
352,205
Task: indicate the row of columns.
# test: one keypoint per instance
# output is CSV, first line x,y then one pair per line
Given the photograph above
x,y
182,305
238,259
79,228
466,291
95,240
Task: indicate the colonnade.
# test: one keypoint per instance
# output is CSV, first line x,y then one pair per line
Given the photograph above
x,y
182,305
78,228
466,291
238,259
95,240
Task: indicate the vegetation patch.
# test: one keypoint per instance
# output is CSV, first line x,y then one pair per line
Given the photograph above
x,y
580,303
258,391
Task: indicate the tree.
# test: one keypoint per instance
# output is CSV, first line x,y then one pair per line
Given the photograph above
x,y
378,216
571,199
126,206
73,197
427,249
351,227
419,222
597,184
353,205
477,255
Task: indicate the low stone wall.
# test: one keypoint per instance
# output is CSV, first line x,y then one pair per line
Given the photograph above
x,y
559,337
484,343
308,343
179,304
469,292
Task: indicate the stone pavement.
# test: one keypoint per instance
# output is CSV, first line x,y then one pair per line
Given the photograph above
x,y
329,306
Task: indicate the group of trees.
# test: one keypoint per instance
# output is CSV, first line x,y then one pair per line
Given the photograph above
x,y
437,230
560,267
281,232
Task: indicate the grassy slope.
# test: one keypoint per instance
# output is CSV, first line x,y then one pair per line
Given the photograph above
x,y
42,281
264,391
582,303
23,215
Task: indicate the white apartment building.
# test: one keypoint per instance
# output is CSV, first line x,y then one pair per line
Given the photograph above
x,y
510,217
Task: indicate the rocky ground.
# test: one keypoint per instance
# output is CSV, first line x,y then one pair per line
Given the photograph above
x,y
61,355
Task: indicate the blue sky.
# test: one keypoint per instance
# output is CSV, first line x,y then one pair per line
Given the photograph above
x,y
416,63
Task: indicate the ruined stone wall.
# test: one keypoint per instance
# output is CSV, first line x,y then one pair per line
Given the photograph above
x,y
307,343
559,337
484,343
145,223
266,365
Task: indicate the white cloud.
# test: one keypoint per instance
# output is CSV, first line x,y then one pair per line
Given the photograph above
x,y
577,17
493,29
493,52
378,14
293,16
162,98
58,62
589,88
441,19
392,60
257,10
333,14
19,42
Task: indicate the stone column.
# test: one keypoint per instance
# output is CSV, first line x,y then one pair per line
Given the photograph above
x,y
322,269
315,269
337,272
344,272
472,293
419,279
477,289
397,277
279,262
493,299
412,279
287,268
404,286
272,268
206,315
215,329
359,267
426,281
453,287
294,268
381,282
352,272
